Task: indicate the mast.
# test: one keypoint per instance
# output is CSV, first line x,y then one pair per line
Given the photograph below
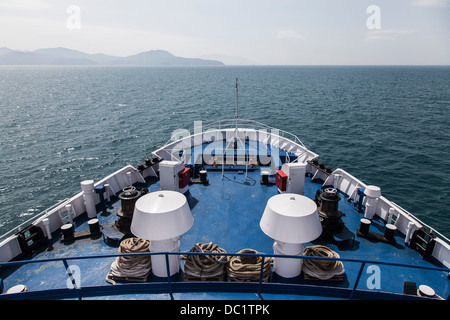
x,y
236,116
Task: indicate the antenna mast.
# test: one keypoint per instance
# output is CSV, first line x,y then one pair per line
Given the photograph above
x,y
236,116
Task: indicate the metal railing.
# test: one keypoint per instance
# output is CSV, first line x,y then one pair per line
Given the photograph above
x,y
259,287
243,124
433,230
32,219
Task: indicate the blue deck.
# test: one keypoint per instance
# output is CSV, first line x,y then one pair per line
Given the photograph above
x,y
227,212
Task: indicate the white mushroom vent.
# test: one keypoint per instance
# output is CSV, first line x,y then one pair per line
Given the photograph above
x,y
291,218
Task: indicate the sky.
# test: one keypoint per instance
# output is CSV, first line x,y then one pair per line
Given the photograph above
x,y
261,32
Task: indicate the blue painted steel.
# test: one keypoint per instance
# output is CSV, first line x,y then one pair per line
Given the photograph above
x,y
71,279
261,273
357,280
259,288
100,190
361,195
169,282
227,212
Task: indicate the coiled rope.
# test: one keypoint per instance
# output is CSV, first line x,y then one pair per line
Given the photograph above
x,y
322,269
248,268
130,267
205,266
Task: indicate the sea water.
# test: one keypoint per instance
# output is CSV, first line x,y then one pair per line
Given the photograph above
x,y
387,126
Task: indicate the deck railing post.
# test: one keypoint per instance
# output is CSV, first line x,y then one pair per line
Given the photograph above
x,y
357,280
261,272
169,282
72,279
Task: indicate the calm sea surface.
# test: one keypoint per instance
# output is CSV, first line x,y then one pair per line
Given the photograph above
x,y
388,126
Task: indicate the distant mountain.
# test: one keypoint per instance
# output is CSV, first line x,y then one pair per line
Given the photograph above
x,y
164,58
229,60
64,56
74,55
5,50
41,57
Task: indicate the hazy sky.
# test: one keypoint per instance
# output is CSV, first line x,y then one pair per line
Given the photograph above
x,y
257,31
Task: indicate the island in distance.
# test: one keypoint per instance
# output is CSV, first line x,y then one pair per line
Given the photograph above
x,y
64,56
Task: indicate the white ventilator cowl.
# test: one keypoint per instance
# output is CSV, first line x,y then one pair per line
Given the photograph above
x,y
291,218
372,191
161,215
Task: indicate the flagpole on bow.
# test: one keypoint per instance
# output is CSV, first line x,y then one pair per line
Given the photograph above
x,y
236,116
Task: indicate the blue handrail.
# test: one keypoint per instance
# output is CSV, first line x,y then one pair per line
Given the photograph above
x,y
259,285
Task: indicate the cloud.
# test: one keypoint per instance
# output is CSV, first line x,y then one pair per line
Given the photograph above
x,y
385,34
289,34
432,3
24,4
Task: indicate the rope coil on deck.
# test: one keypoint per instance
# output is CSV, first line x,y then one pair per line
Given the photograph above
x,y
248,268
205,266
130,267
322,269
